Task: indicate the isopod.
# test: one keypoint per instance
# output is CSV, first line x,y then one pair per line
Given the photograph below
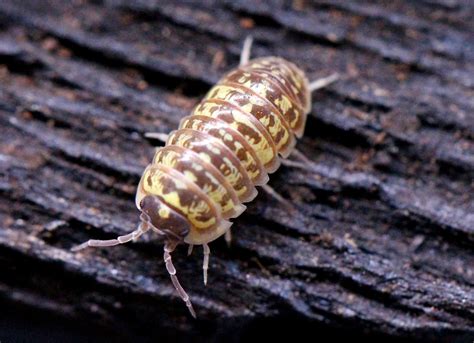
x,y
210,166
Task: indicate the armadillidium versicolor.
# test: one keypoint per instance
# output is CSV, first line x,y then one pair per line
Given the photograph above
x,y
210,166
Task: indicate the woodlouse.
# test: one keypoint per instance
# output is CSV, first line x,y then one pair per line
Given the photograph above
x,y
210,166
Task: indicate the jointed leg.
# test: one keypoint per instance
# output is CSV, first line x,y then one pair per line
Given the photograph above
x,y
228,237
190,249
245,54
169,248
323,82
205,262
300,161
163,137
270,191
296,164
300,156
142,228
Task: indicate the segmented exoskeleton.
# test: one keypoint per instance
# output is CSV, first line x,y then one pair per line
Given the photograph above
x,y
229,144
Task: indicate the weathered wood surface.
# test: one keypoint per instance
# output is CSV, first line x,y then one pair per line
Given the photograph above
x,y
382,240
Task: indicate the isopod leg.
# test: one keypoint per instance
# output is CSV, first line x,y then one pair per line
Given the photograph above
x,y
245,54
296,164
270,191
142,228
300,162
169,248
205,262
190,249
162,137
274,194
228,237
323,82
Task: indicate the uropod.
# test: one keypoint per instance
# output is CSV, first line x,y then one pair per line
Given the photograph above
x,y
210,166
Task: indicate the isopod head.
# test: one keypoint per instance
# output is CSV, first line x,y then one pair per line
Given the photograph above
x,y
167,198
163,218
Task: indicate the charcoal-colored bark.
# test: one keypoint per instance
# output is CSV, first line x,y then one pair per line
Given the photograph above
x,y
380,240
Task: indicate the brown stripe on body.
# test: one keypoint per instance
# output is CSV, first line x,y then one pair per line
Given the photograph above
x,y
247,125
262,109
290,109
213,151
204,175
181,195
275,77
287,74
233,140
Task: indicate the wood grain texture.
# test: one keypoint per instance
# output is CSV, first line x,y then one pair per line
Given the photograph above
x,y
381,237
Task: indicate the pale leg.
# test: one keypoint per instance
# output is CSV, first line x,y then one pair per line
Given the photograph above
x,y
228,237
270,191
245,54
163,137
300,160
323,82
205,262
299,155
169,248
295,164
273,193
142,228
190,249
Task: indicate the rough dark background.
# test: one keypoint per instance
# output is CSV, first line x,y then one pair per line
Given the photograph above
x,y
380,244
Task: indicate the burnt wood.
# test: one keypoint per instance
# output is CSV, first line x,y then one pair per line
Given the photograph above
x,y
380,238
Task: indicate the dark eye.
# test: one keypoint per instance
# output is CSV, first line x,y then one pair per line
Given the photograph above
x,y
149,204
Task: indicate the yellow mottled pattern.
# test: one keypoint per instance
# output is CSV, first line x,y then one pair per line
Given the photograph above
x,y
283,103
282,67
214,189
276,129
233,174
285,70
249,162
261,146
228,169
154,181
260,88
